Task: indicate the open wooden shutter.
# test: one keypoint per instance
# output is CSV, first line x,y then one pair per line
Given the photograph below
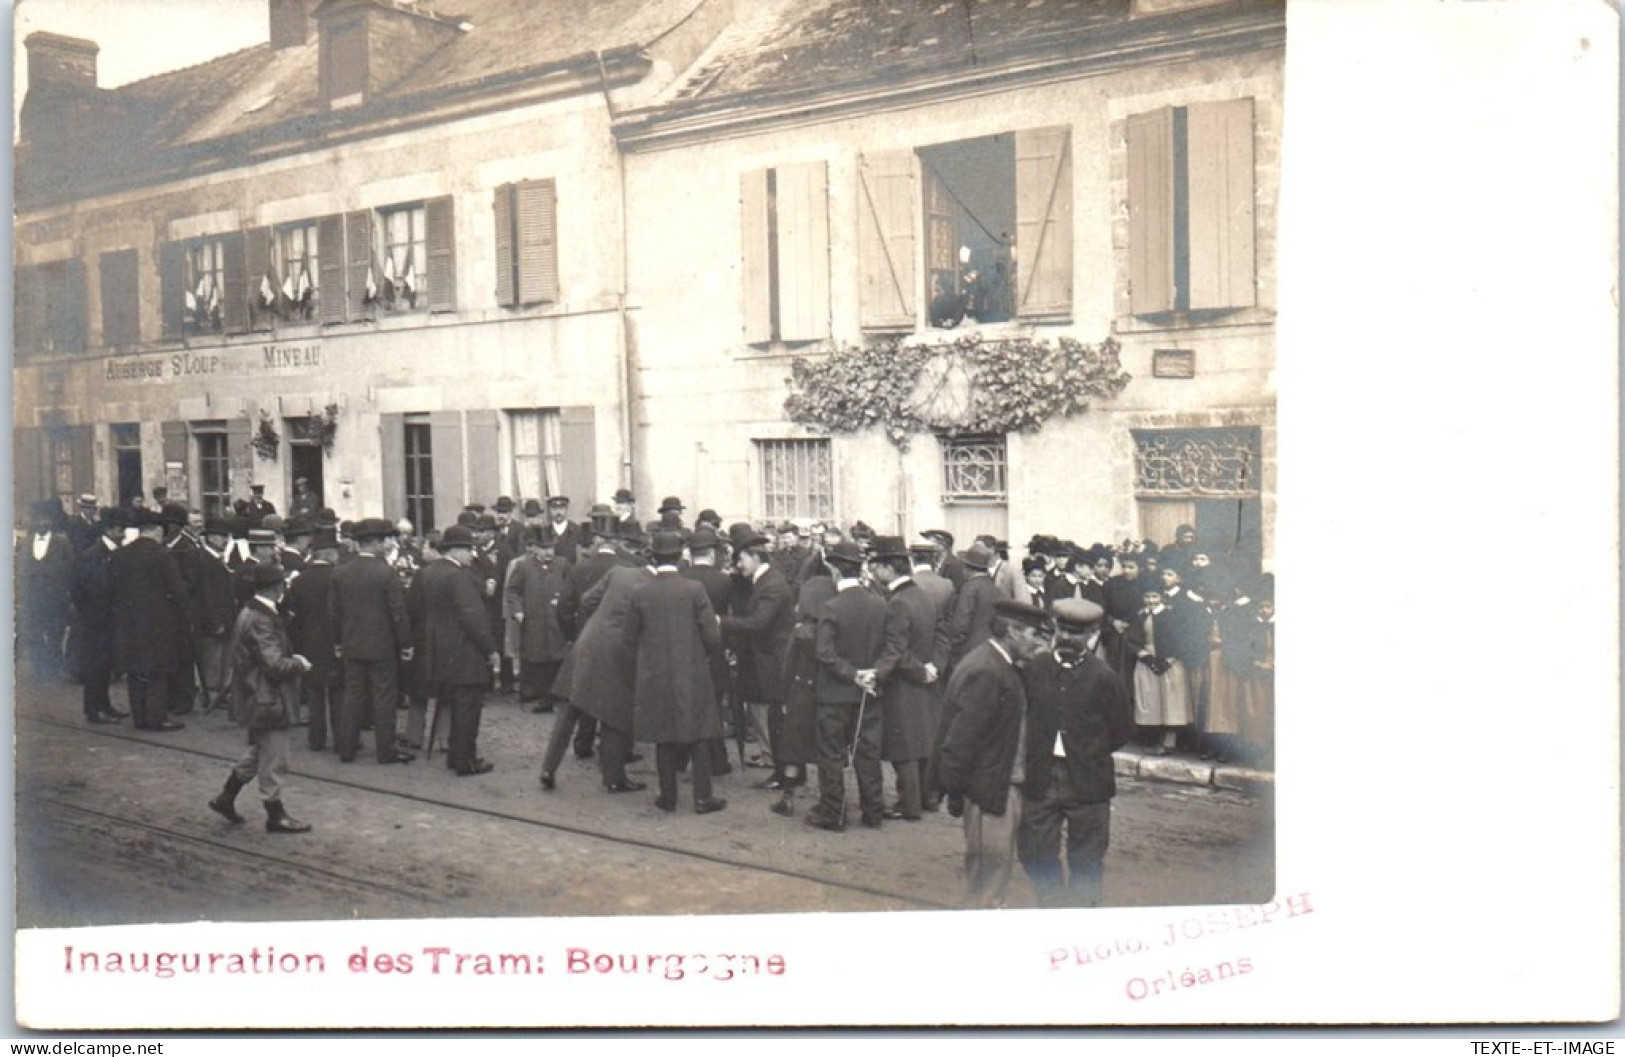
x,y
81,441
1151,211
358,264
238,451
484,459
446,461
28,470
578,467
1220,153
28,320
257,252
538,221
73,310
331,250
887,202
502,207
392,459
803,219
235,309
756,267
172,287
1044,223
121,306
440,244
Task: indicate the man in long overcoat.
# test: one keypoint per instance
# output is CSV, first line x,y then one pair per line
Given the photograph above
x,y
602,684
973,606
368,610
264,695
906,673
460,646
761,635
214,594
535,581
980,765
315,637
673,632
703,569
93,621
43,578
152,624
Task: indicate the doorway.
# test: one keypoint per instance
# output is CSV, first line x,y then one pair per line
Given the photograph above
x,y
127,462
306,461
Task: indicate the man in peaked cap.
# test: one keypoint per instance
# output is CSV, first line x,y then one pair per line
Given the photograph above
x,y
259,507
980,765
531,604
564,535
951,568
368,609
1078,714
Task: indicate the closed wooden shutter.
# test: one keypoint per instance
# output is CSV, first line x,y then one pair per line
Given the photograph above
x,y
358,264
28,321
1044,223
1220,153
257,252
887,204
538,222
803,218
238,451
28,469
331,250
755,264
174,440
172,287
392,464
440,244
507,287
484,459
235,295
121,307
578,466
446,461
1151,211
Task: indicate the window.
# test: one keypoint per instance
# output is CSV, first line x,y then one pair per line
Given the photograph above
x,y
292,288
202,285
974,469
1190,208
419,473
797,479
1208,478
537,451
344,62
213,468
786,253
121,306
397,259
996,217
527,243
59,445
126,437
50,308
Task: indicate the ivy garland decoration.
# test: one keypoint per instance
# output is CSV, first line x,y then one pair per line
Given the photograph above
x,y
325,427
1003,385
267,441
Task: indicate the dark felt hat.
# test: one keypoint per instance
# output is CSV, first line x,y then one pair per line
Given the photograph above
x,y
274,522
503,504
486,523
671,502
666,544
173,514
704,538
979,556
297,526
846,552
265,574
457,535
259,537
1077,614
532,508
742,535
624,495
145,518
468,519
326,516
941,537
217,526
709,517
373,528
538,536
885,547
1022,613
257,489
111,516
325,538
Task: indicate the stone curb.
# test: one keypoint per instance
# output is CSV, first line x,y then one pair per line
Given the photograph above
x,y
1186,771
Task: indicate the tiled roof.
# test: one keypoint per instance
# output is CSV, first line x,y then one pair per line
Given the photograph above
x,y
800,43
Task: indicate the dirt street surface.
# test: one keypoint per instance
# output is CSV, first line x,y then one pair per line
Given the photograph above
x,y
113,828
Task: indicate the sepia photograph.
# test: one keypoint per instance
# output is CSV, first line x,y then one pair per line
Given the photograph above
x,y
736,472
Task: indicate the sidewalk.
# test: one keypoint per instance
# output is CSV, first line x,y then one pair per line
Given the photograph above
x,y
1135,762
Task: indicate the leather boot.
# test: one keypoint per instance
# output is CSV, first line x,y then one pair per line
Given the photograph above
x,y
225,804
277,820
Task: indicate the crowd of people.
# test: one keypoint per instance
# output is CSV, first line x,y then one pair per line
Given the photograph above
x,y
997,689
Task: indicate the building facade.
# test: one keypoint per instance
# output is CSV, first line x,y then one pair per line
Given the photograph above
x,y
539,251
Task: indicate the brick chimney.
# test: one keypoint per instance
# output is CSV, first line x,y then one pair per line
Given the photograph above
x,y
290,23
58,61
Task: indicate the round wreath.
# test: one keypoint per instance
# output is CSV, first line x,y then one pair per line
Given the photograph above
x,y
968,385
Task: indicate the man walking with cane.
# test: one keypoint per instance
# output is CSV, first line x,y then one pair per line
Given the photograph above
x,y
851,634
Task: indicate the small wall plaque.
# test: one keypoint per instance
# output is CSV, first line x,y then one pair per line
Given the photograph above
x,y
1173,363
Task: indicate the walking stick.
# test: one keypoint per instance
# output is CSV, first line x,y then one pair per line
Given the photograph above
x,y
736,708
852,749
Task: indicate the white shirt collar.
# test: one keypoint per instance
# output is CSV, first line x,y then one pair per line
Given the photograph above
x,y
1002,652
900,581
664,568
846,583
761,571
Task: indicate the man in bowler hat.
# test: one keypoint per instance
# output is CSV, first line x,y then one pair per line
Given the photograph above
x,y
460,646
368,609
